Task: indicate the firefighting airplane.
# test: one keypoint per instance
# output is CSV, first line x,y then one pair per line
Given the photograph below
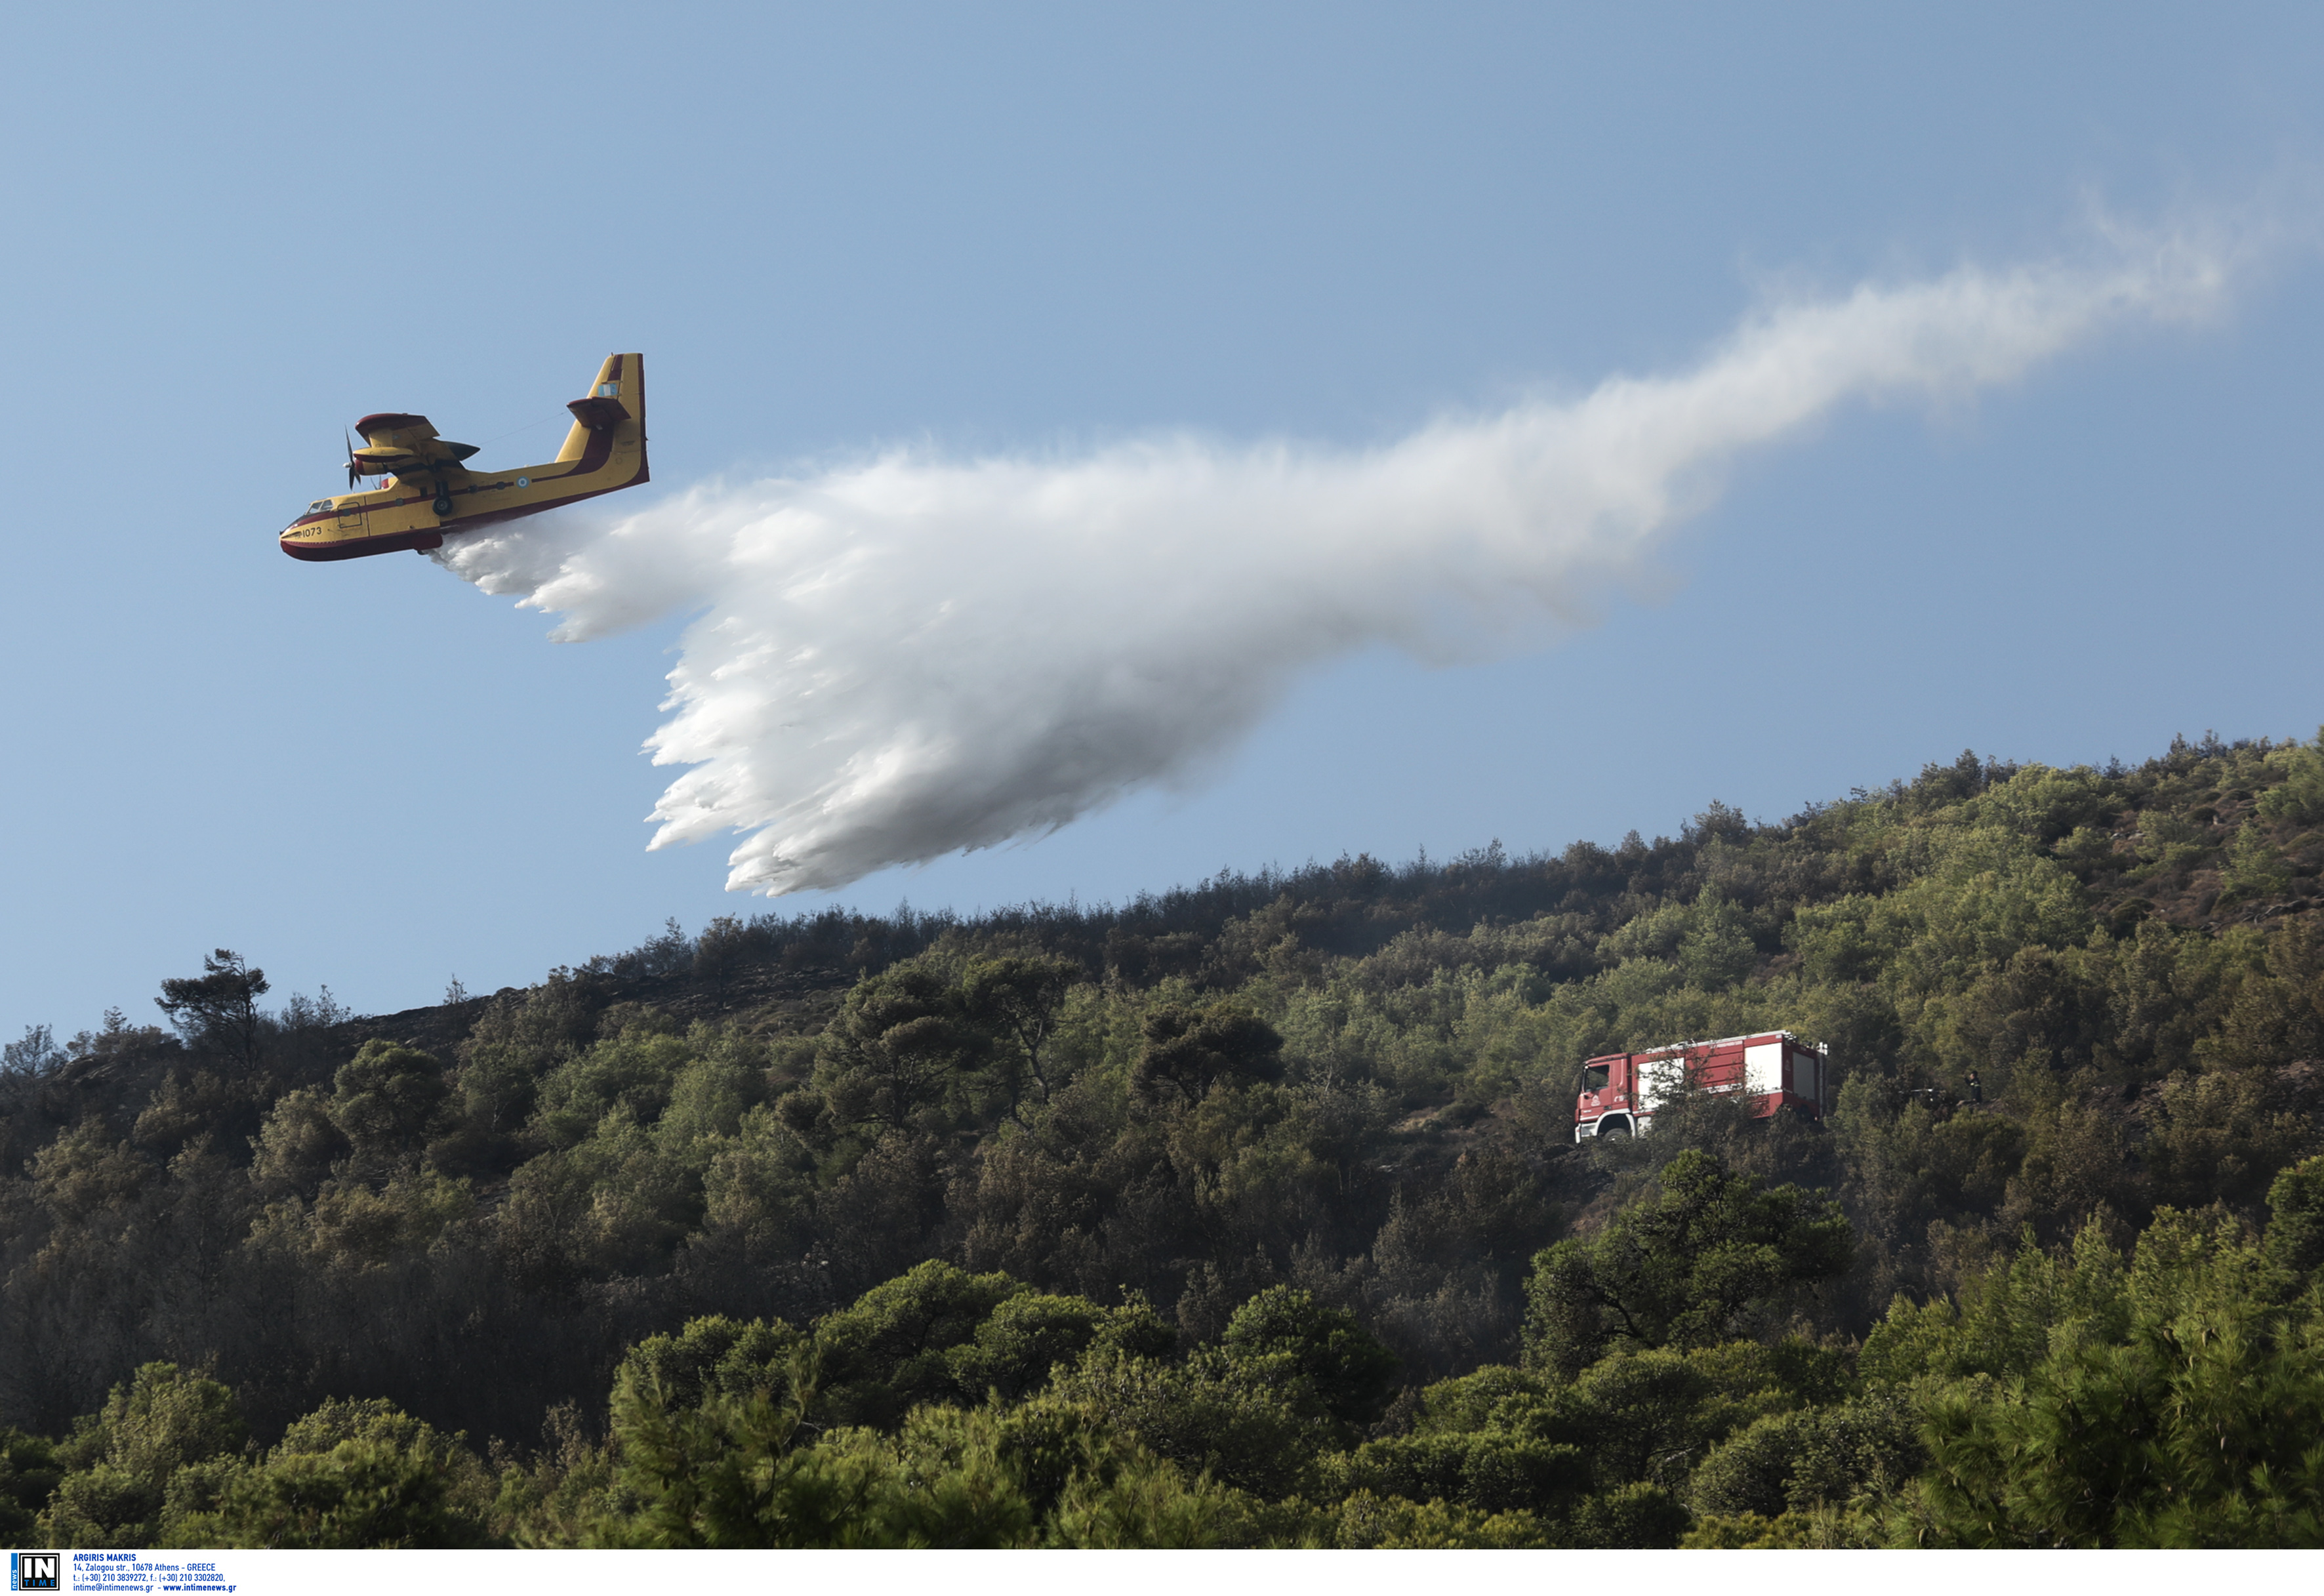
x,y
429,493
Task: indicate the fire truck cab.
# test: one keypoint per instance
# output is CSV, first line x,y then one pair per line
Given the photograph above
x,y
1618,1093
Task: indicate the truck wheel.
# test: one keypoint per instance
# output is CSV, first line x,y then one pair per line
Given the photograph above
x,y
1619,1132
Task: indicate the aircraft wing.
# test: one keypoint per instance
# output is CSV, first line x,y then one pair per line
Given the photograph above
x,y
395,442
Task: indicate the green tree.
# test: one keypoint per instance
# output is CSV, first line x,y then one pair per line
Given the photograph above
x,y
733,1472
1208,1415
715,1356
1650,1417
1716,951
1694,1267
2299,794
1157,1507
1367,1521
900,1048
218,1008
384,1097
120,1462
1020,998
1808,1458
1187,1050
1285,1338
1019,1343
2255,868
2218,1138
85,1171
29,1473
892,1348
1491,1470
741,1472
360,1494
2295,1226
2191,1425
630,1071
354,1473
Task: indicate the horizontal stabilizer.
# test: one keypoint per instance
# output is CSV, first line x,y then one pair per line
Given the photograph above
x,y
598,414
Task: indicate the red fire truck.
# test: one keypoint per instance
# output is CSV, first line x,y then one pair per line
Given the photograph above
x,y
1618,1093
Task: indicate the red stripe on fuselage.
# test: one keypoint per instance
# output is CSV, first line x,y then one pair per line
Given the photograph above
x,y
431,537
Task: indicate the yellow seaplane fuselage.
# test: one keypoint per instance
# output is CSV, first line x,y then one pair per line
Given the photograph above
x,y
431,492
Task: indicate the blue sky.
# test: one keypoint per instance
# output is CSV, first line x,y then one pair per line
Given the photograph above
x,y
1041,228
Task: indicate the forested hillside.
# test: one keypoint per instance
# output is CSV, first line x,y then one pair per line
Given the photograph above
x,y
1247,1214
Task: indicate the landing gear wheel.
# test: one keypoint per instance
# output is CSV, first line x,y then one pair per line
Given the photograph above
x,y
443,505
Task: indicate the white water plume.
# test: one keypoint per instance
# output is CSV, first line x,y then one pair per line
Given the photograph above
x,y
893,659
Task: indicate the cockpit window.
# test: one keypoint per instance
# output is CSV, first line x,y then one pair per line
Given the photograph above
x,y
318,504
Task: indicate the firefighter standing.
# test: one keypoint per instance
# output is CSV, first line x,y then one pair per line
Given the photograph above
x,y
1976,1088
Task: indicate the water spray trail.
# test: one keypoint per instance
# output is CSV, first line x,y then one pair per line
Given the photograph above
x,y
912,655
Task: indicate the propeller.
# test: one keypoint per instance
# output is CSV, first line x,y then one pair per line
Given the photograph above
x,y
354,471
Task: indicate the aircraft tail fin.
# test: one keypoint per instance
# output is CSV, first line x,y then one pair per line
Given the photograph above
x,y
615,404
